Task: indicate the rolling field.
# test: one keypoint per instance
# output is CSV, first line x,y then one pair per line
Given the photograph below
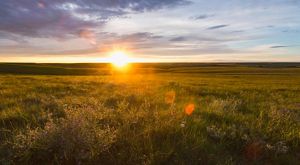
x,y
151,114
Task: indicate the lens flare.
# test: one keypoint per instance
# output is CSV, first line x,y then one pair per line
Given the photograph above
x,y
189,109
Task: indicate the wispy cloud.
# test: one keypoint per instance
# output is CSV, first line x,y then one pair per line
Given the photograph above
x,y
178,39
202,16
217,27
284,46
279,46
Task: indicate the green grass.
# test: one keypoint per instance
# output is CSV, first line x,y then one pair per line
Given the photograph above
x,y
87,113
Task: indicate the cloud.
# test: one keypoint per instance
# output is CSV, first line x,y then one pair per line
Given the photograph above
x,y
178,39
72,52
88,35
217,27
238,31
279,46
137,37
106,42
284,46
203,16
63,18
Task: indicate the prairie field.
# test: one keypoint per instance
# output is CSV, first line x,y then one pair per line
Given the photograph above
x,y
180,113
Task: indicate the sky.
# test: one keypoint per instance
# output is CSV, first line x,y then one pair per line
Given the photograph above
x,y
150,30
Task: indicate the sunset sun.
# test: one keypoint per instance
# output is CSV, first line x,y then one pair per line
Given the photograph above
x,y
119,59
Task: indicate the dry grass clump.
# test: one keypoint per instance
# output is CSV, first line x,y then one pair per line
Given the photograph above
x,y
76,138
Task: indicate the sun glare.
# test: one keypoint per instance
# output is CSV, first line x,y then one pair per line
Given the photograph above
x,y
119,59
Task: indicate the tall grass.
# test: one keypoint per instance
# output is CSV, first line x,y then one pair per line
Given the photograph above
x,y
141,119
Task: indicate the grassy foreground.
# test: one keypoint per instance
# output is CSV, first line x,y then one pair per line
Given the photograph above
x,y
157,114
